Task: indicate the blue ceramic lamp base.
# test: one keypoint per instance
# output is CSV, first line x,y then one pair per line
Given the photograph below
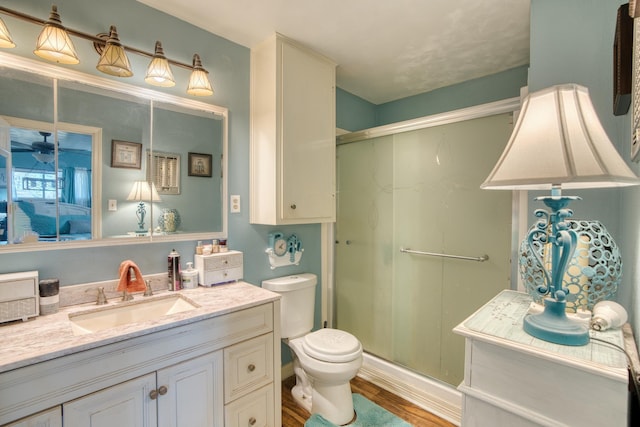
x,y
554,326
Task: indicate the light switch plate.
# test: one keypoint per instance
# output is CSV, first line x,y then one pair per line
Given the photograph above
x,y
113,205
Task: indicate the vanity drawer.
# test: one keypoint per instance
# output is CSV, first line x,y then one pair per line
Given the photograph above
x,y
253,410
247,366
19,296
18,289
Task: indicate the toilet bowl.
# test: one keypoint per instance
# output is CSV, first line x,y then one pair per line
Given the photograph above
x,y
324,361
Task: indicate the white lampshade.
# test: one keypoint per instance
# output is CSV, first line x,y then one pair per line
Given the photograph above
x,y
54,44
558,140
114,60
142,192
158,72
6,41
199,84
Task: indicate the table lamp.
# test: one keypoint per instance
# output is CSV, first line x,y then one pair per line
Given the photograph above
x,y
142,192
558,143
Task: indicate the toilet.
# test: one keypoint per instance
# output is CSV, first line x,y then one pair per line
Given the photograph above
x,y
324,361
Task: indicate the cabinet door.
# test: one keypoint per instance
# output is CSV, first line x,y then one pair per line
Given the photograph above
x,y
48,418
308,136
123,405
193,395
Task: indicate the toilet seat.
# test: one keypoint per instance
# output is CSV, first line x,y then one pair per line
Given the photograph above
x,y
332,345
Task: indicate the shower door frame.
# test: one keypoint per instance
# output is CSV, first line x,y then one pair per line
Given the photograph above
x,y
437,397
519,198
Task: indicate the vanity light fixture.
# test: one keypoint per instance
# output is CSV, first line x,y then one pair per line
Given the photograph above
x,y
558,142
6,41
199,84
143,191
113,59
159,72
54,44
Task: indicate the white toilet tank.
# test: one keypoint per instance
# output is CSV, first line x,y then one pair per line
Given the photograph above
x,y
297,304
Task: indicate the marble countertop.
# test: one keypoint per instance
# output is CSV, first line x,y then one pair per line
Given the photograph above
x,y
48,337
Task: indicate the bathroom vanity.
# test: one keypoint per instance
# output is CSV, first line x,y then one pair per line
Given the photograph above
x,y
217,364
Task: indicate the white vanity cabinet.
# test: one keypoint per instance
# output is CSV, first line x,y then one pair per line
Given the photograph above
x,y
48,418
196,374
183,395
293,153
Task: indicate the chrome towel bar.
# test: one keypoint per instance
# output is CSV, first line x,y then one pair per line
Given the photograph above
x,y
482,258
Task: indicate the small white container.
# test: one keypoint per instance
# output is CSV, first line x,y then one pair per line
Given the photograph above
x,y
189,277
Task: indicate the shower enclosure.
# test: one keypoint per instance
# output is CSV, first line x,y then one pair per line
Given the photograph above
x,y
404,199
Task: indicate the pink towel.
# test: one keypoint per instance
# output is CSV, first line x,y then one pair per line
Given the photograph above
x,y
125,279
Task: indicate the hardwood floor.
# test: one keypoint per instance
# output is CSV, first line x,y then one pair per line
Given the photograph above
x,y
295,416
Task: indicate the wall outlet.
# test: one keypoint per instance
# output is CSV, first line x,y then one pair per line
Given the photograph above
x,y
113,205
235,203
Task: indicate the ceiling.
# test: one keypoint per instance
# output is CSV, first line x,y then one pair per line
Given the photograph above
x,y
385,49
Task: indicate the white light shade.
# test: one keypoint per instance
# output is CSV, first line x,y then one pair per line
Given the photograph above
x,y
199,84
114,60
559,140
54,44
158,72
142,192
6,41
44,157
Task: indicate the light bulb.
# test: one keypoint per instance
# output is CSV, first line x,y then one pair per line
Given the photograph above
x,y
608,314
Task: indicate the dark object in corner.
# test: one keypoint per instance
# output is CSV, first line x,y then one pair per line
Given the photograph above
x,y
622,61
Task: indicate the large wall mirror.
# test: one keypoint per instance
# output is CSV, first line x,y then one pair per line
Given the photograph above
x,y
86,161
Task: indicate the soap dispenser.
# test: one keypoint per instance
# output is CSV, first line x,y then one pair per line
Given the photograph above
x,y
189,277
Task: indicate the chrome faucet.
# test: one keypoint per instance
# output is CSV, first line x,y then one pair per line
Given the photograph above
x,y
102,298
126,296
147,291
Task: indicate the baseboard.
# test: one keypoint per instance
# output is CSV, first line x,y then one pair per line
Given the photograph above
x,y
439,399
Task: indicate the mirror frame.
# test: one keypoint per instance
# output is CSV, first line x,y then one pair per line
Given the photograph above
x,y
57,73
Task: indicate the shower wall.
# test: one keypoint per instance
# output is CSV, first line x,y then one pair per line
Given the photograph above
x,y
420,190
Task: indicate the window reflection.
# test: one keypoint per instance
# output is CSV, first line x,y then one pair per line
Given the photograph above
x,y
50,187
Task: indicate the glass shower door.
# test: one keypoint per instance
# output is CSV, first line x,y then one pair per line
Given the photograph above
x,y
420,190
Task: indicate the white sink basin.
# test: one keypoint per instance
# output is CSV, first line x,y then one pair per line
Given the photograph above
x,y
127,313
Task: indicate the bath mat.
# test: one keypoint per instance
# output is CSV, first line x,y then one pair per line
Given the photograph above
x,y
368,415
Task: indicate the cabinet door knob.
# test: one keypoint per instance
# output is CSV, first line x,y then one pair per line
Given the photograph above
x,y
293,206
252,421
251,367
153,394
162,390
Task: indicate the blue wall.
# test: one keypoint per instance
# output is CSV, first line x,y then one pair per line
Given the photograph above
x,y
479,91
572,41
354,113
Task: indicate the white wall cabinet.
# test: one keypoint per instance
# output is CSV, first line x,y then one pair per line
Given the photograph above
x,y
171,378
292,134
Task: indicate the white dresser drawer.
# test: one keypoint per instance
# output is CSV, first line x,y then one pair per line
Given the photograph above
x,y
247,366
253,410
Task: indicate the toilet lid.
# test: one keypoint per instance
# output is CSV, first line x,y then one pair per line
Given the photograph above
x,y
332,345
